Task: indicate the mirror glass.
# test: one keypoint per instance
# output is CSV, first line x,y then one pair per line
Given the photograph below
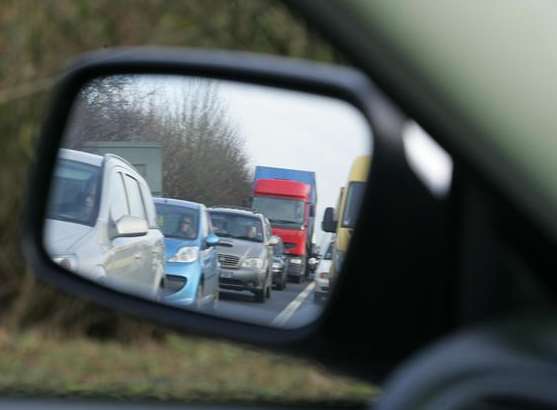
x,y
209,194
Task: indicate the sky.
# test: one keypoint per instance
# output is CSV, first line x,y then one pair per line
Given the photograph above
x,y
283,128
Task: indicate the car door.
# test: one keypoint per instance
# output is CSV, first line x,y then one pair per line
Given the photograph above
x,y
142,274
154,238
120,263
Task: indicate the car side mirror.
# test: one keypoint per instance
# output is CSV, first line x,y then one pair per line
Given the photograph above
x,y
329,223
130,226
207,79
212,240
274,240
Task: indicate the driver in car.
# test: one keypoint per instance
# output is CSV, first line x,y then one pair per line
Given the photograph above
x,y
252,232
186,228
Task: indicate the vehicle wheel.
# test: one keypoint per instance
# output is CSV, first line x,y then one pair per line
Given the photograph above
x,y
305,272
215,302
198,297
279,284
260,296
282,284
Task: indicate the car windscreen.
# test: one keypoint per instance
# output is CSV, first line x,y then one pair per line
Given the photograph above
x,y
279,210
75,192
178,221
232,225
353,202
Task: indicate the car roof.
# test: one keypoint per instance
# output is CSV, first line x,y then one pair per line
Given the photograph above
x,y
81,156
233,210
178,202
93,159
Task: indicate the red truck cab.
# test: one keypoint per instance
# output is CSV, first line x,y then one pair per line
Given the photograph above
x,y
286,204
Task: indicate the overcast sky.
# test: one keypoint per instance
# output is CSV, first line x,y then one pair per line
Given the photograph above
x,y
302,131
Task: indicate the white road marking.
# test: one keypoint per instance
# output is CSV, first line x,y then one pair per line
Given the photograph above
x,y
289,310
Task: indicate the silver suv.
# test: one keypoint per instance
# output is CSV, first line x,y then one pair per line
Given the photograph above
x,y
245,250
102,223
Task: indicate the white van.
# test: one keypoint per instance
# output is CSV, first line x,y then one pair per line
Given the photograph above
x,y
102,224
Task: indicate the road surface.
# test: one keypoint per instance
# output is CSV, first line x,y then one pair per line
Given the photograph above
x,y
291,307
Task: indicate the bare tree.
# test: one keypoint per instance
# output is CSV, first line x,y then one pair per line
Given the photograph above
x,y
211,166
108,109
202,152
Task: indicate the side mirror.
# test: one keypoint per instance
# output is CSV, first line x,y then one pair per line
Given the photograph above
x,y
329,224
212,240
130,226
274,240
340,96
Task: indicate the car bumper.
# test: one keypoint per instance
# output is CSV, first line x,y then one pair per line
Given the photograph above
x,y
321,286
277,275
241,279
295,269
186,295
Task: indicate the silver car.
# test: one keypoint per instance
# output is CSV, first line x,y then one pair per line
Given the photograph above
x,y
245,250
102,223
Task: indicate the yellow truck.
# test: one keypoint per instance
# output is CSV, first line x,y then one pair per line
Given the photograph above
x,y
342,219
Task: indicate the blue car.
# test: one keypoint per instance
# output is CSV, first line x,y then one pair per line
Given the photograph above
x,y
191,268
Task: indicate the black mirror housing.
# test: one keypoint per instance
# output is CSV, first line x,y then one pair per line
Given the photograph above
x,y
329,224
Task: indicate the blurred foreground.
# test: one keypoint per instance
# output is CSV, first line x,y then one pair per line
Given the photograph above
x,y
174,368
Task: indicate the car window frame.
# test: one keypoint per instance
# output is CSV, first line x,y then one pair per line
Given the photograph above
x,y
142,204
118,172
148,204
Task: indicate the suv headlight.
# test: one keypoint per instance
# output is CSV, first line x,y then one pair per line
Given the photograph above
x,y
68,262
185,254
253,263
297,261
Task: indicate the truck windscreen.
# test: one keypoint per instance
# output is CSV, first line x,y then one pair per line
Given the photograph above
x,y
280,211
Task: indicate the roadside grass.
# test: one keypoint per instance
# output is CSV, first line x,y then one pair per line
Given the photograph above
x,y
179,368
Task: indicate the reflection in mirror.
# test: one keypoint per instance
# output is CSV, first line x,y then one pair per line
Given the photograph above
x,y
208,194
